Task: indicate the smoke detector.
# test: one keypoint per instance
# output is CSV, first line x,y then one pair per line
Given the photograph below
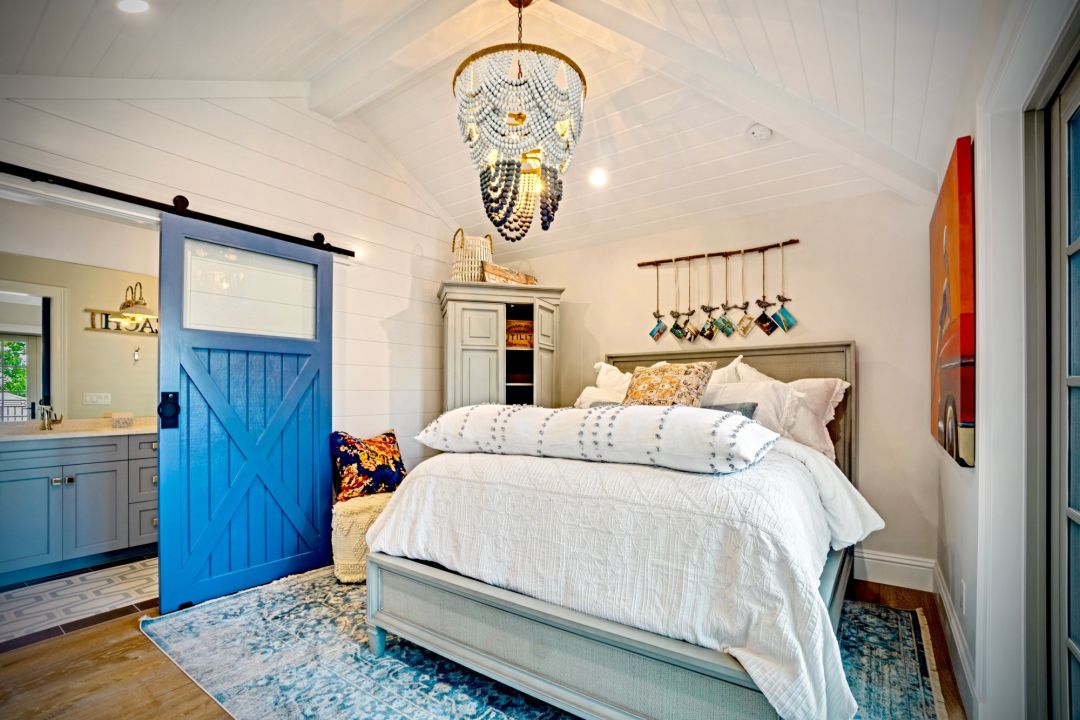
x,y
758,133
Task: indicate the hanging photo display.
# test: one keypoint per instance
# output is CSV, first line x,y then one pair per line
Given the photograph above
x,y
783,316
708,328
689,328
745,325
660,327
676,327
763,321
683,327
724,323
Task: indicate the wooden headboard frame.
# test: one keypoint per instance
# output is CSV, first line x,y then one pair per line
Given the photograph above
x,y
785,363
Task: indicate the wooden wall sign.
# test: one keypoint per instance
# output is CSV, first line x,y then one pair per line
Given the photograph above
x,y
106,321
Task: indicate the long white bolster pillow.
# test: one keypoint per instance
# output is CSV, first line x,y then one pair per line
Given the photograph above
x,y
678,437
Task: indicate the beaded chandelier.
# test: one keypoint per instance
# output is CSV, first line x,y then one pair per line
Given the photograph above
x,y
520,114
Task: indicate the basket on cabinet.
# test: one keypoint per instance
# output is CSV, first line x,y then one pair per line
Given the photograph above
x,y
470,254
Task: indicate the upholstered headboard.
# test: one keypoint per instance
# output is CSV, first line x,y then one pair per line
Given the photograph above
x,y
785,363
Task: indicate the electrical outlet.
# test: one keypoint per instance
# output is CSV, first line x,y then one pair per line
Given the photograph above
x,y
97,399
963,597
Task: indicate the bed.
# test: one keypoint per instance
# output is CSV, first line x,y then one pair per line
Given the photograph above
x,y
592,667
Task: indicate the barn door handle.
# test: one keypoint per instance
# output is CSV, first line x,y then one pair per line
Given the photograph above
x,y
168,410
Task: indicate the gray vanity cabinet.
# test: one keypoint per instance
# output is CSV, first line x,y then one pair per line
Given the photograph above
x,y
478,365
31,517
65,498
95,508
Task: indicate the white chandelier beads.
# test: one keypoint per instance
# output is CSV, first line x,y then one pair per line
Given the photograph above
x,y
520,111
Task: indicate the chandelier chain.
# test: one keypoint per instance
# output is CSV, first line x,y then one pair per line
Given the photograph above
x,y
519,41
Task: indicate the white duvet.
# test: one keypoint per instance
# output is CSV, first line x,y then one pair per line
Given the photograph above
x,y
728,562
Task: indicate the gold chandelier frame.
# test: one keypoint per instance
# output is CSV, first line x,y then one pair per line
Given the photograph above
x,y
519,47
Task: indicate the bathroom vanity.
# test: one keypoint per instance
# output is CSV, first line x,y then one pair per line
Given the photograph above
x,y
79,495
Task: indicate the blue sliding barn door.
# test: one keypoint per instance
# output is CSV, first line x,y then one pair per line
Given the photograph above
x,y
245,485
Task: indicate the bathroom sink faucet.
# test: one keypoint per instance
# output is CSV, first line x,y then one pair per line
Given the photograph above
x,y
48,417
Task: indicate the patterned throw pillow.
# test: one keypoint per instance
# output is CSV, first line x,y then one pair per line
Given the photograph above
x,y
669,384
366,467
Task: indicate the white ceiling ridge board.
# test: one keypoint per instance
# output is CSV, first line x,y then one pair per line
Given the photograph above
x,y
376,67
746,93
40,87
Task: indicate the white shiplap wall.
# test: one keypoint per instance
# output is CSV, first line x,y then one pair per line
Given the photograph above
x,y
272,163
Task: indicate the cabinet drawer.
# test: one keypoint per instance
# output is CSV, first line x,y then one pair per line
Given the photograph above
x,y
142,446
142,523
142,480
51,451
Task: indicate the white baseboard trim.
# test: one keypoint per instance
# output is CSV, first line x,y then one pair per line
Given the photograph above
x,y
892,569
963,664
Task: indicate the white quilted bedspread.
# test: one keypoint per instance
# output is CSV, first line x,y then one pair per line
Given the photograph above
x,y
726,562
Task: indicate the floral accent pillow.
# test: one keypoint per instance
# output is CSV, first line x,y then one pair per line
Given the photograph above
x,y
366,467
669,384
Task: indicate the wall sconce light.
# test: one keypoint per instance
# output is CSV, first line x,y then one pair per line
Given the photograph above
x,y
134,307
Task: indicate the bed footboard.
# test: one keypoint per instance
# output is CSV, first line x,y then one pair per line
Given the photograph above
x,y
588,666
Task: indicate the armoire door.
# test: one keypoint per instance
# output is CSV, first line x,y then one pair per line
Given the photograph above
x,y
476,345
545,333
244,463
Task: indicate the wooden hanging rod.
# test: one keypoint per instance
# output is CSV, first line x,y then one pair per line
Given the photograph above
x,y
724,253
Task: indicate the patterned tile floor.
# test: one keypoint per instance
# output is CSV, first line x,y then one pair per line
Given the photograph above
x,y
60,602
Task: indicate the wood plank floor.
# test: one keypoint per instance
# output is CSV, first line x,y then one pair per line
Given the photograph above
x,y
112,671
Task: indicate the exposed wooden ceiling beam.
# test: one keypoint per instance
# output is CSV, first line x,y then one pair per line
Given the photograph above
x,y
744,92
414,42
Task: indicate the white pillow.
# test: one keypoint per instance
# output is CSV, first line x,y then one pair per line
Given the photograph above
x,y
820,398
720,376
676,437
777,403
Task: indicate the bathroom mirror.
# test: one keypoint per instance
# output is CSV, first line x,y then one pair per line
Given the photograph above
x,y
78,323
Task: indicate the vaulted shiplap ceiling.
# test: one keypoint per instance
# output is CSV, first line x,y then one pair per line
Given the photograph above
x,y
860,93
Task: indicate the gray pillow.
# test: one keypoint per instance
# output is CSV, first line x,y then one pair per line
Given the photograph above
x,y
746,409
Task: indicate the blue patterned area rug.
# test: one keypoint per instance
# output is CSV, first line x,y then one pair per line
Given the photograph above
x,y
296,648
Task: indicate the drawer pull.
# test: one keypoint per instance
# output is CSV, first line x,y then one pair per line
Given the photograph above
x,y
153,445
154,521
71,480
57,481
154,479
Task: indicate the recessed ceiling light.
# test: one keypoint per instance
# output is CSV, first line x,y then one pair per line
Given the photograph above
x,y
758,133
133,6
598,177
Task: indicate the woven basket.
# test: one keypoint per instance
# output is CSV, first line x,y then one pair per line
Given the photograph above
x,y
470,254
352,519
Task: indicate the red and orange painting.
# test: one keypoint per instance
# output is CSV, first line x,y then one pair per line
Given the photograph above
x,y
952,309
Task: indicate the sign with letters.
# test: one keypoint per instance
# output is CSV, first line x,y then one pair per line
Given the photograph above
x,y
110,321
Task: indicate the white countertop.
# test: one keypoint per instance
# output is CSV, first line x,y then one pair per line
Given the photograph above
x,y
72,428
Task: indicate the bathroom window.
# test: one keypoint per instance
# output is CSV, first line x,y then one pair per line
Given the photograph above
x,y
15,387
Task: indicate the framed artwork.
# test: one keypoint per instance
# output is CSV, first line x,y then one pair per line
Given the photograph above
x,y
952,309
